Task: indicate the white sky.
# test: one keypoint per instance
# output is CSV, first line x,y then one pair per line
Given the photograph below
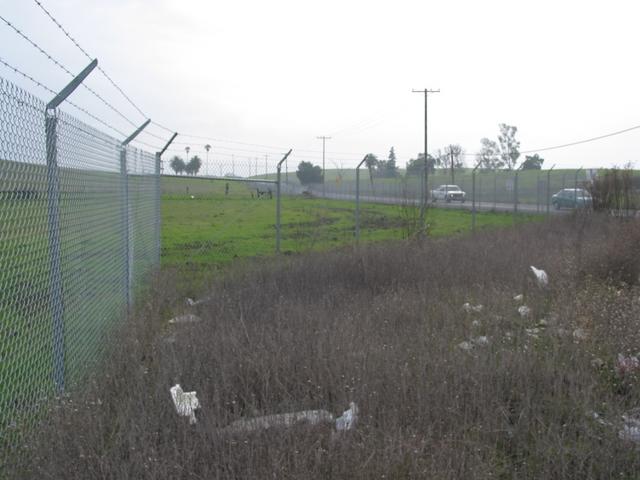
x,y
281,73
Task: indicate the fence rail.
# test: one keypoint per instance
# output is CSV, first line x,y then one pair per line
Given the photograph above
x,y
79,232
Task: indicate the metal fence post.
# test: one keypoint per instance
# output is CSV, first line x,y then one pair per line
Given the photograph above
x,y
473,198
515,194
278,195
55,277
358,199
124,183
549,188
53,210
158,212
495,189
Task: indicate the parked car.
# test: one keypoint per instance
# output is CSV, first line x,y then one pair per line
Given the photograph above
x,y
448,193
572,198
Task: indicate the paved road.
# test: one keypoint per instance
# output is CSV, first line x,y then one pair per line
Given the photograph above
x,y
483,206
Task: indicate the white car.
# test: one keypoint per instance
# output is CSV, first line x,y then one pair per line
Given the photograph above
x,y
448,193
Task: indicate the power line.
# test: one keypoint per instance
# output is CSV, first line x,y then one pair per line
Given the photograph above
x,y
89,57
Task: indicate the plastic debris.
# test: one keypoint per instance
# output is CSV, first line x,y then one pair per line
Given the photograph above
x,y
519,298
524,311
630,430
188,318
185,402
194,303
533,332
579,334
286,420
310,417
467,307
541,277
348,419
480,341
627,365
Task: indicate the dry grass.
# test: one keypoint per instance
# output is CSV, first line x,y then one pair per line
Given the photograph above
x,y
379,326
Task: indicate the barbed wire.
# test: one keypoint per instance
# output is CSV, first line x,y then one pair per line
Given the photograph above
x,y
50,90
65,69
68,35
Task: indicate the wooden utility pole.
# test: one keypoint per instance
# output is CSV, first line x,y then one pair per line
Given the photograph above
x,y
323,138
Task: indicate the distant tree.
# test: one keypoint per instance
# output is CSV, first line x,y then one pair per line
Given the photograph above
x,y
177,165
307,173
371,161
415,166
509,146
456,152
532,162
193,167
391,169
489,157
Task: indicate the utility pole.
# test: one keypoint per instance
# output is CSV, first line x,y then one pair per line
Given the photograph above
x,y
453,180
425,178
323,138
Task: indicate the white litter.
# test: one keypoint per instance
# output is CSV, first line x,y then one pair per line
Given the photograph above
x,y
467,307
480,341
627,365
533,332
285,420
185,402
541,276
466,346
192,197
524,311
348,419
188,318
476,323
310,417
631,427
519,298
193,303
579,334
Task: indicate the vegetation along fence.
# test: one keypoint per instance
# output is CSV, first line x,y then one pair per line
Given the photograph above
x,y
79,231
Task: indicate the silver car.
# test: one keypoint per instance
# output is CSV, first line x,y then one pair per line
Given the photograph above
x,y
448,193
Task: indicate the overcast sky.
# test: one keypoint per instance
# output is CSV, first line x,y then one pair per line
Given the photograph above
x,y
280,73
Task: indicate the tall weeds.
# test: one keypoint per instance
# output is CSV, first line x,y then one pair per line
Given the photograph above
x,y
379,326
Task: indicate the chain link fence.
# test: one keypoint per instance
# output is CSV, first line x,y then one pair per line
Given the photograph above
x,y
79,231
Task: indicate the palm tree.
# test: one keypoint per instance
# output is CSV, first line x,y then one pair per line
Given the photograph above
x,y
207,147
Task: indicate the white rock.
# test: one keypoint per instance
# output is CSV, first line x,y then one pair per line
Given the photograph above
x,y
188,318
186,403
524,311
519,298
541,276
466,346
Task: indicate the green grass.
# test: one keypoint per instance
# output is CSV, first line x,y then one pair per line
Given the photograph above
x,y
213,229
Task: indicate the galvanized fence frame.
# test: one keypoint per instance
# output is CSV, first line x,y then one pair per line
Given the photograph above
x,y
79,235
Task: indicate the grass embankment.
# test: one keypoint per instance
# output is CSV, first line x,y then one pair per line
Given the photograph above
x,y
381,326
213,229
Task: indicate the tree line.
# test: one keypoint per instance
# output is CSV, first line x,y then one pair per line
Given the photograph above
x,y
500,154
192,167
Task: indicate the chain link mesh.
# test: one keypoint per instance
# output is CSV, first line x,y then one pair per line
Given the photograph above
x,y
79,231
